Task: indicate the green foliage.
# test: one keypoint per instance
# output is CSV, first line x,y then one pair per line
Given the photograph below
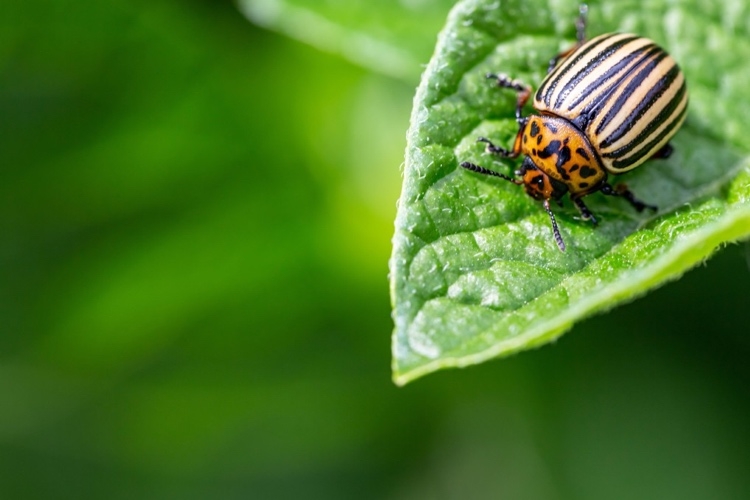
x,y
177,238
196,219
393,37
475,271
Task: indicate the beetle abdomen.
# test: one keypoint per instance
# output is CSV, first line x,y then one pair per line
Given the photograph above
x,y
624,92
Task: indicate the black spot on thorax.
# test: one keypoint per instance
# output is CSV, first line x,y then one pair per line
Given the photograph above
x,y
534,129
587,172
552,148
563,156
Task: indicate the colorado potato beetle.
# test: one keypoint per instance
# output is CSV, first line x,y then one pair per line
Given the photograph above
x,y
605,107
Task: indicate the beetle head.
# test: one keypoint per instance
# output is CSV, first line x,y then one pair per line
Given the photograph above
x,y
539,185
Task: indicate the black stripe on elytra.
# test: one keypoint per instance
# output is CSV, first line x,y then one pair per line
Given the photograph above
x,y
608,75
655,93
606,57
592,54
545,91
649,129
631,87
596,106
619,164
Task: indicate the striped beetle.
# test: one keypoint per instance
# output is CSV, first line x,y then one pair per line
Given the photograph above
x,y
606,106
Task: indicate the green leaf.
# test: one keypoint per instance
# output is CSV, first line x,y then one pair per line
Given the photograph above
x,y
475,272
393,37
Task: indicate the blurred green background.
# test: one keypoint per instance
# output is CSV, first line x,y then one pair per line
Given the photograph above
x,y
196,217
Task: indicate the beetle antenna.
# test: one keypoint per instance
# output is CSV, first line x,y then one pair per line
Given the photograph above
x,y
555,229
481,170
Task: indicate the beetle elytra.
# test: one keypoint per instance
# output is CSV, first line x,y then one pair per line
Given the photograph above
x,y
605,107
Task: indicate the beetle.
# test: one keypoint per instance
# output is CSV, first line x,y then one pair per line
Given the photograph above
x,y
605,107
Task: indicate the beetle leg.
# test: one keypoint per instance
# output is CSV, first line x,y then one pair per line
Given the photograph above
x,y
492,149
623,191
495,150
481,170
664,153
580,38
581,22
555,229
585,212
524,92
